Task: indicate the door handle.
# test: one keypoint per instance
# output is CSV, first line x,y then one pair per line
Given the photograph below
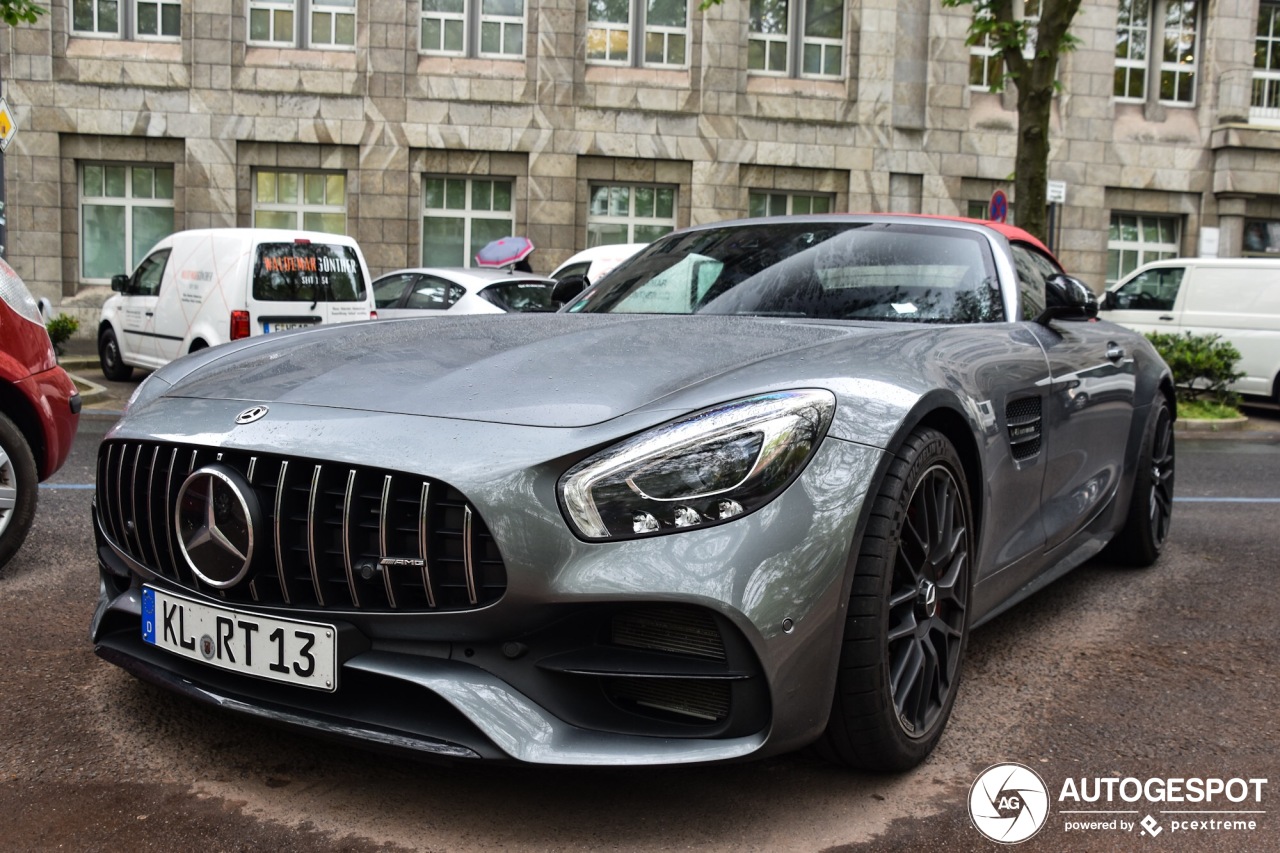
x,y
1115,353
1166,316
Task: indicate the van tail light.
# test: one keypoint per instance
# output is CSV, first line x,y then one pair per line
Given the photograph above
x,y
373,315
239,325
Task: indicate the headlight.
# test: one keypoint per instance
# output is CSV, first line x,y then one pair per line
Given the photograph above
x,y
704,469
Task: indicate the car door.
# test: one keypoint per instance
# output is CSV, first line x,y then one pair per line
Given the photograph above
x,y
1148,302
138,314
1088,410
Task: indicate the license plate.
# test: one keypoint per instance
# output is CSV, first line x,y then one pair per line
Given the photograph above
x,y
288,650
269,327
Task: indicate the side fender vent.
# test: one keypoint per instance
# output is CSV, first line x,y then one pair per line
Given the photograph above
x,y
1025,430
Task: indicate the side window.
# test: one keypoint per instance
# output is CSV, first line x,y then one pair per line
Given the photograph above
x,y
1033,268
430,294
387,291
1153,290
146,281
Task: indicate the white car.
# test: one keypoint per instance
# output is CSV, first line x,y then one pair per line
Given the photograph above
x,y
424,291
595,262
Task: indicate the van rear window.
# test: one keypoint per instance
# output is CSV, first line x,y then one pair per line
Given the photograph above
x,y
307,272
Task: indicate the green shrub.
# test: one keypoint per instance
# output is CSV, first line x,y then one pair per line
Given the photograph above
x,y
61,328
1203,365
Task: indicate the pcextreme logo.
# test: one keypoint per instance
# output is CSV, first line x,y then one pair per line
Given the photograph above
x,y
1010,803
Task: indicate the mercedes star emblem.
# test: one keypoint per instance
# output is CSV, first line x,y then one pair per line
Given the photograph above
x,y
215,519
251,414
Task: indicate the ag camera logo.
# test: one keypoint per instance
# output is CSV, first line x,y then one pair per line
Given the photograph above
x,y
1008,803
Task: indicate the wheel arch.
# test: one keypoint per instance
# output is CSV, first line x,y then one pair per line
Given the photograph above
x,y
944,414
18,408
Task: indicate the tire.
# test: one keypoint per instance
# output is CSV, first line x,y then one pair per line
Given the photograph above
x,y
908,619
113,366
18,489
1146,526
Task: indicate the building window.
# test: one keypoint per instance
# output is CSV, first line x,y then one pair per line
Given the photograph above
x,y
1261,238
1133,47
461,215
486,28
771,203
303,23
1136,239
659,27
124,210
1172,23
986,65
139,19
982,210
630,213
311,201
1266,65
796,38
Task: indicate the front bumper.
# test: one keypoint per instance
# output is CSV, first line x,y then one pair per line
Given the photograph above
x,y
541,675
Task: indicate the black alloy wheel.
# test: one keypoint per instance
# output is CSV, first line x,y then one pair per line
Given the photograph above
x,y
908,618
1150,514
929,602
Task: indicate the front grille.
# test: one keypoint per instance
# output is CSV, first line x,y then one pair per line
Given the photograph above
x,y
324,530
1023,419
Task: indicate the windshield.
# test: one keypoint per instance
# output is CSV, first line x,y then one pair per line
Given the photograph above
x,y
307,272
819,270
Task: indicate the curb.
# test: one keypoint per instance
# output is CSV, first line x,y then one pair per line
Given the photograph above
x,y
90,392
1219,425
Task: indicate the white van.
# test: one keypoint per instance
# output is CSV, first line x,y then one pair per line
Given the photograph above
x,y
197,289
1238,299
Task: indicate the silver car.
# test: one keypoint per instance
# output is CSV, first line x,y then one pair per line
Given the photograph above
x,y
750,491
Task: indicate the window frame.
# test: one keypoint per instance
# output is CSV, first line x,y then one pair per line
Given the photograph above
x,y
1142,249
989,60
1155,66
474,17
128,202
631,220
637,30
468,213
301,207
1266,79
795,40
301,35
788,199
127,18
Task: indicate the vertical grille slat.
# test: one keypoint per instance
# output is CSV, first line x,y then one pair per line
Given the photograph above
x,y
311,535
323,534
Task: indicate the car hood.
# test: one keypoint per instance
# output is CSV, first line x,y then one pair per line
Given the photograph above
x,y
555,370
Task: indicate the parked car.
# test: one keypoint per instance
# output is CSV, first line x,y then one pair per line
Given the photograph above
x,y
597,261
39,411
750,492
1237,298
426,291
198,289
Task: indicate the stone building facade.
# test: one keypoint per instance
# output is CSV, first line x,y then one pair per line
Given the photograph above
x,y
421,127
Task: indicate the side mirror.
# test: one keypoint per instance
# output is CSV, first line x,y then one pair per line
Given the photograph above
x,y
120,283
569,287
1067,298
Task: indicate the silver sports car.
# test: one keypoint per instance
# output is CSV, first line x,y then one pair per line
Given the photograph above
x,y
749,492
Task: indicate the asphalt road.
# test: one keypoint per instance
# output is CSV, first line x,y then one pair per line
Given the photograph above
x,y
1167,672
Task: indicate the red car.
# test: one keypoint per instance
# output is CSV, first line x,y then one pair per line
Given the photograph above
x,y
39,410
